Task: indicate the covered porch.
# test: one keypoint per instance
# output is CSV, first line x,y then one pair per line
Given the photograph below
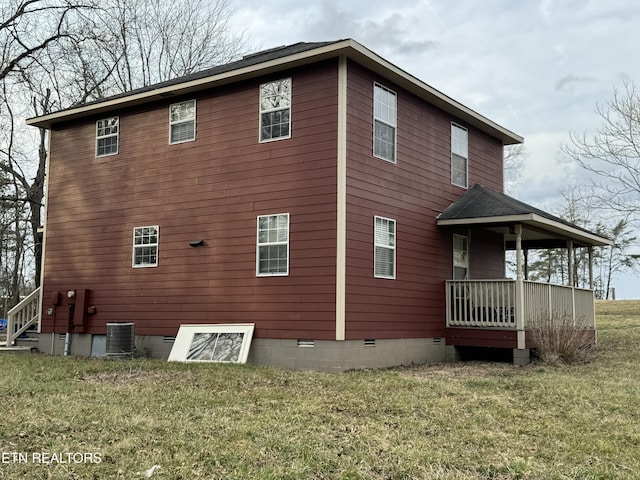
x,y
501,312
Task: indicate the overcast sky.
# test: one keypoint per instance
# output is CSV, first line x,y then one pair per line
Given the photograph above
x,y
536,67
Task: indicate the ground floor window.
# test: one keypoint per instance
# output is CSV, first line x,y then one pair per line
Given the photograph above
x,y
272,249
385,248
145,246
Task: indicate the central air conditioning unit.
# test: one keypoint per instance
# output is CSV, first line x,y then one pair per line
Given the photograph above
x,y
120,340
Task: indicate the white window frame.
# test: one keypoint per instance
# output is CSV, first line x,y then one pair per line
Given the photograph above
x,y
272,243
456,264
389,245
182,121
387,120
111,134
137,246
459,151
266,109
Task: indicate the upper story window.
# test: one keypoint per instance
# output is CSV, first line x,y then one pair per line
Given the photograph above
x,y
273,245
460,257
384,123
459,156
384,262
182,122
145,246
107,136
275,110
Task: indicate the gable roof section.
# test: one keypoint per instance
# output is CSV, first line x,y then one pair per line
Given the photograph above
x,y
482,206
274,60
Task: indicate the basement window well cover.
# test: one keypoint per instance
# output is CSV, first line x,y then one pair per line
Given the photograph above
x,y
227,343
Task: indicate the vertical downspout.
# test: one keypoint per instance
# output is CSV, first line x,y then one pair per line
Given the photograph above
x,y
341,200
44,238
519,290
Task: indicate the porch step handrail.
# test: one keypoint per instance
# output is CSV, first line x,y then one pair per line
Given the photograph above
x,y
23,315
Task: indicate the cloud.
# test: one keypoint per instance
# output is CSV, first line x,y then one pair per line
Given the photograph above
x,y
568,83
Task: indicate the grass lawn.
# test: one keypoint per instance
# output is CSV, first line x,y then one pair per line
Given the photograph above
x,y
448,421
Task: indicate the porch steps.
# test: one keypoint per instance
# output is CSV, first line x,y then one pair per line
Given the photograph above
x,y
17,349
23,345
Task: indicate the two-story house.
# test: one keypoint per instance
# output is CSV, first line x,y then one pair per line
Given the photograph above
x,y
338,203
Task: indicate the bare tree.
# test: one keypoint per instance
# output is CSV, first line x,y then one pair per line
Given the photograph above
x,y
552,265
616,258
68,52
149,41
29,27
514,158
612,154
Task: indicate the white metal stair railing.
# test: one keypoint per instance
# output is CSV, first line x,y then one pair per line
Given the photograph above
x,y
24,315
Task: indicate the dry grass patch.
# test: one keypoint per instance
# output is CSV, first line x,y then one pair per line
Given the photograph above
x,y
461,421
134,376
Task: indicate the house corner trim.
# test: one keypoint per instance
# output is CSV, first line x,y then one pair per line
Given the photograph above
x,y
341,200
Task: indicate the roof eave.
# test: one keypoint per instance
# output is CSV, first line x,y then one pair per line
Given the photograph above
x,y
349,48
301,58
534,220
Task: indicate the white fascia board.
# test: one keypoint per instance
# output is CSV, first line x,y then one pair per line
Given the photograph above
x,y
571,232
534,220
301,58
433,96
349,48
499,219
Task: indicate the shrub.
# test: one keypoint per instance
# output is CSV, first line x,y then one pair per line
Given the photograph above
x,y
558,339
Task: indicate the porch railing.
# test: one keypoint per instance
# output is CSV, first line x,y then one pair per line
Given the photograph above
x,y
569,305
24,315
481,303
492,304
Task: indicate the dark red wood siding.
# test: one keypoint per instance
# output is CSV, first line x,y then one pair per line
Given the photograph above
x,y
413,192
486,255
477,337
211,189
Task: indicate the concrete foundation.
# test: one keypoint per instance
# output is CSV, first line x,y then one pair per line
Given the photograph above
x,y
521,356
326,355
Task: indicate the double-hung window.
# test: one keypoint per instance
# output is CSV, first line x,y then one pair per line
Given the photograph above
x,y
107,136
384,123
182,122
460,257
145,246
384,263
275,110
459,156
273,245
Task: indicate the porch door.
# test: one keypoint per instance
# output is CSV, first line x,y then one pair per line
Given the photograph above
x,y
460,257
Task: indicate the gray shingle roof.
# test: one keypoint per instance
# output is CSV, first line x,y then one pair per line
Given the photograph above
x,y
483,202
246,61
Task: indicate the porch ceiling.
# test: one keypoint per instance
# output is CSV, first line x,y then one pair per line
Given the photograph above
x,y
485,208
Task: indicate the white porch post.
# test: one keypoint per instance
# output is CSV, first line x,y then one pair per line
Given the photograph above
x,y
572,282
590,250
570,255
519,289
